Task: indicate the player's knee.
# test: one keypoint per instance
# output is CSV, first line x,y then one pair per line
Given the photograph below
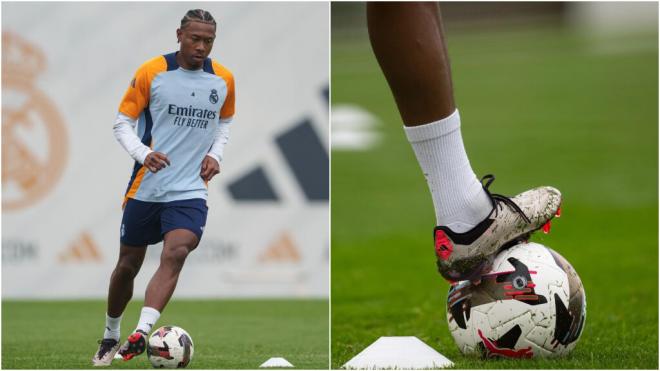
x,y
176,256
127,269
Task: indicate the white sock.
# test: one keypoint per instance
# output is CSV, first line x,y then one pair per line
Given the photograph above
x,y
112,327
148,318
458,198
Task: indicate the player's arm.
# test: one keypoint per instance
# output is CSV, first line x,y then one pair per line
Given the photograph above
x,y
124,131
220,139
133,103
211,163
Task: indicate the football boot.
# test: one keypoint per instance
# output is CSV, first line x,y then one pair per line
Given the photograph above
x,y
135,345
466,256
106,352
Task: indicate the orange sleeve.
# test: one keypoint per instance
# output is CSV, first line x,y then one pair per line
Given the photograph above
x,y
227,110
137,95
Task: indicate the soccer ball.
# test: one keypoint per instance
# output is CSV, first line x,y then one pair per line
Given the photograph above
x,y
531,304
170,347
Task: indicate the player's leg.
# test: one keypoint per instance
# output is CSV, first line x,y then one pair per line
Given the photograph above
x,y
120,293
121,280
182,224
176,247
408,41
140,227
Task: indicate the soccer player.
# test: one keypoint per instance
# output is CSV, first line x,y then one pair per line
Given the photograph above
x,y
183,103
472,223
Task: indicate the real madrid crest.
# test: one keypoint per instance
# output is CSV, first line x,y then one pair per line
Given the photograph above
x,y
34,137
213,98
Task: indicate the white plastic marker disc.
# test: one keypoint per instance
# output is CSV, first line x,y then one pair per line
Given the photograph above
x,y
398,352
276,362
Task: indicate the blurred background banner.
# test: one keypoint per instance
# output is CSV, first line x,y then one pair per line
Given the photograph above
x,y
65,67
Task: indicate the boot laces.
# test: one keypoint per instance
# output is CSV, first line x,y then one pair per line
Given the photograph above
x,y
497,199
106,346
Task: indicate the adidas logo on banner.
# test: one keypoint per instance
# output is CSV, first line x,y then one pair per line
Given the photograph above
x,y
282,250
83,249
305,155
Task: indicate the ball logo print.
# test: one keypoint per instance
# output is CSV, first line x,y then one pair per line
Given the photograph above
x,y
34,139
506,285
519,282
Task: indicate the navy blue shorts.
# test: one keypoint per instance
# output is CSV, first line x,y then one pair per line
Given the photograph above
x,y
145,223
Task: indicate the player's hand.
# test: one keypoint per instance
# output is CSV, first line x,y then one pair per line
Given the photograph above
x,y
155,161
210,167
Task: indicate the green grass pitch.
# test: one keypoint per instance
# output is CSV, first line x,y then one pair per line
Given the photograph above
x,y
538,106
228,334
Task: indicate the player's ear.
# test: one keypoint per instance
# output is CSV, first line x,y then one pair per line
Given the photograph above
x,y
178,35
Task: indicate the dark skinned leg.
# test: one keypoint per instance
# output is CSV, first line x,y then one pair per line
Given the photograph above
x,y
408,41
121,280
177,245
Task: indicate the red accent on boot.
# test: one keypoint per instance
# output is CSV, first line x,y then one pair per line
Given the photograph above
x,y
443,245
546,227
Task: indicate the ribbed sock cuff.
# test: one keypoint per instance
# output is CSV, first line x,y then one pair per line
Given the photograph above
x,y
112,327
148,318
434,129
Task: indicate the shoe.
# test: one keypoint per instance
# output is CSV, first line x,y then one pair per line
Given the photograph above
x,y
468,255
106,352
134,346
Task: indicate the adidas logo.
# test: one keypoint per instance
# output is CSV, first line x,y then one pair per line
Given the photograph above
x,y
306,157
83,249
282,250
